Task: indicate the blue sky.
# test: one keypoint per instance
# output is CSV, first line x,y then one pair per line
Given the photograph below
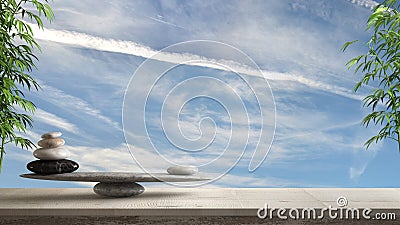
x,y
93,48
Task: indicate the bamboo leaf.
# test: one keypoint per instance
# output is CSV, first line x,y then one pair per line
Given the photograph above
x,y
381,63
17,60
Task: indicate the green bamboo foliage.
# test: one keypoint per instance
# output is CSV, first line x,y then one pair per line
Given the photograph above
x,y
381,64
17,60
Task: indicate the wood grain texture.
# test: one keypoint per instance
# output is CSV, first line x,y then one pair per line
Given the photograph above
x,y
187,201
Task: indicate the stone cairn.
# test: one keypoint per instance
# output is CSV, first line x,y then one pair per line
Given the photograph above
x,y
52,157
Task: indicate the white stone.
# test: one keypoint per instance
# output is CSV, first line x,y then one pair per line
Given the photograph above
x,y
51,143
51,135
51,153
182,170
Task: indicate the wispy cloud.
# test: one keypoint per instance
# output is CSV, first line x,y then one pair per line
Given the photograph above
x,y
355,173
69,102
160,19
132,48
53,120
365,3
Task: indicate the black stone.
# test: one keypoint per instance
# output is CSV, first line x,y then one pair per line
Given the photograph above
x,y
52,166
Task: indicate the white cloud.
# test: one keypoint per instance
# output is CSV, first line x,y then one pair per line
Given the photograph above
x,y
72,103
102,159
160,19
365,3
132,48
53,120
355,173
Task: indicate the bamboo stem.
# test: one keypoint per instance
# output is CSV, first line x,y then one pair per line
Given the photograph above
x,y
2,153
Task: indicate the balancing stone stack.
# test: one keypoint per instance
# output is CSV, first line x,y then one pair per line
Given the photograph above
x,y
52,157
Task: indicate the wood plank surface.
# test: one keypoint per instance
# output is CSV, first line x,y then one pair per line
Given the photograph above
x,y
187,201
